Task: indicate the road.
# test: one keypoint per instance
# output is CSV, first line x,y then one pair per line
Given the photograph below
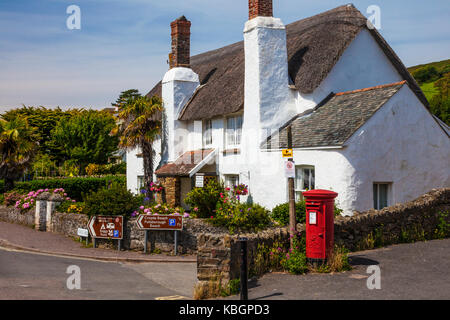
x,y
408,271
38,276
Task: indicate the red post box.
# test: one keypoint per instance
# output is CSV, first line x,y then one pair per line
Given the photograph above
x,y
319,224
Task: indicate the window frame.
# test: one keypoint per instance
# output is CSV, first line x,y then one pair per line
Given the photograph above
x,y
235,131
312,180
207,137
377,202
227,179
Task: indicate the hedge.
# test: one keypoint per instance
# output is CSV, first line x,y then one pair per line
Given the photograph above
x,y
74,187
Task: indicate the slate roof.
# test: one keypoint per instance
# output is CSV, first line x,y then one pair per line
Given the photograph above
x,y
335,120
184,164
314,46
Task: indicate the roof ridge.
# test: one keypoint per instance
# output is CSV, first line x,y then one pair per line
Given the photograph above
x,y
371,88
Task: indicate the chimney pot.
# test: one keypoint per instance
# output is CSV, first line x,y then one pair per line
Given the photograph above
x,y
260,8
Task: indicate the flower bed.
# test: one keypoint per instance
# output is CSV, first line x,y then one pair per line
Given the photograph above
x,y
28,201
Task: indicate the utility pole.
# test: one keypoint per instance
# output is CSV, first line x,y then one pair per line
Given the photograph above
x,y
291,188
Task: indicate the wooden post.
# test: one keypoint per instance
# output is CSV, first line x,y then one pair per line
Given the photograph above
x,y
291,188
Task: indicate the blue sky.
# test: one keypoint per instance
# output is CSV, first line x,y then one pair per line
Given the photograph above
x,y
124,44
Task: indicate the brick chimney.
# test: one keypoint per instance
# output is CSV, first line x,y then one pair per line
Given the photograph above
x,y
260,8
181,43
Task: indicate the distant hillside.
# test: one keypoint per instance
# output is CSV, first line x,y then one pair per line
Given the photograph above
x,y
441,66
427,74
434,80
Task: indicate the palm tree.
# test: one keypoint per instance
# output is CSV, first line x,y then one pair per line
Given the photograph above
x,y
139,126
18,146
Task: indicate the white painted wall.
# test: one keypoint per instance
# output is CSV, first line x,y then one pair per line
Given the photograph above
x,y
135,165
178,86
362,65
403,144
135,168
268,102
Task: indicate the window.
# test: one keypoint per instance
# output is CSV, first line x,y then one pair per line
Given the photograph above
x,y
234,130
231,180
207,132
380,195
140,183
304,180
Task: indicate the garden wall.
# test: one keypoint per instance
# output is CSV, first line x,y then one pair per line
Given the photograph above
x,y
13,215
427,217
418,220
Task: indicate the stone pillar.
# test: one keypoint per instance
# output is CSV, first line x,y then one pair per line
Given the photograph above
x,y
53,201
172,191
40,215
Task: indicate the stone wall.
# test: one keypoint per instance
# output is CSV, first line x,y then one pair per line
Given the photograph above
x,y
415,220
68,223
13,215
218,255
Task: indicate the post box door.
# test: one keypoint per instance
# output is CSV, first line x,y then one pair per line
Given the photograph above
x,y
315,235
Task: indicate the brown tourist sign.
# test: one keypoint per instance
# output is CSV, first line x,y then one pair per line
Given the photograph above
x,y
153,222
106,227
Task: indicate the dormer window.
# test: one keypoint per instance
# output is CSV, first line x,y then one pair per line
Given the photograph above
x,y
234,131
207,133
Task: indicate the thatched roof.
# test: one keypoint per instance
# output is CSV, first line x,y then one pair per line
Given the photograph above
x,y
334,120
314,46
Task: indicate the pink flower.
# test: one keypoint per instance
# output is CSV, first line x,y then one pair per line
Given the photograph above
x,y
74,201
196,209
146,210
141,207
186,215
46,190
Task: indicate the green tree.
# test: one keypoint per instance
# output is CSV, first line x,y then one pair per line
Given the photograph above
x,y
86,137
18,146
44,120
426,74
140,126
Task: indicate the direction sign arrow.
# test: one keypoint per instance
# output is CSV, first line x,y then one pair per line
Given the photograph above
x,y
154,222
91,227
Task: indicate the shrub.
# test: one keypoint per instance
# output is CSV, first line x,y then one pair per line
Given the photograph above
x,y
295,260
72,207
241,217
204,200
281,212
113,201
11,198
160,209
236,216
28,201
75,187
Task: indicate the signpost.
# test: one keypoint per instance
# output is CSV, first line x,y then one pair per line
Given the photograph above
x,y
106,227
83,233
290,172
154,222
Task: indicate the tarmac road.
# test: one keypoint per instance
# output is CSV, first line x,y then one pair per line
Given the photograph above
x,y
38,276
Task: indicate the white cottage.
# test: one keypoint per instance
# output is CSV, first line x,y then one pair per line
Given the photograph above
x,y
360,123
